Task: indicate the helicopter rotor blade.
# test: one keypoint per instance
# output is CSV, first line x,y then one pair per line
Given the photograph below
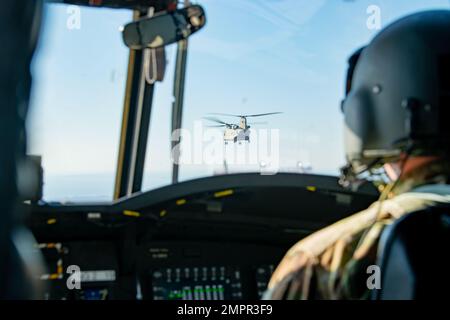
x,y
216,120
246,115
225,114
217,126
260,114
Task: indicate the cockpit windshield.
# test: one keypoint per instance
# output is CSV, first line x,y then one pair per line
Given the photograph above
x,y
252,58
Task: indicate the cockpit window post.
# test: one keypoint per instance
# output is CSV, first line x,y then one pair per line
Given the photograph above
x,y
135,126
178,94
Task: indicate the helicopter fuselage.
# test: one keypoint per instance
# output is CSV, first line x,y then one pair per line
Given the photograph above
x,y
236,134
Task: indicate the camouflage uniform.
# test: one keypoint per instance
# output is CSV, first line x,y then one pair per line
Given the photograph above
x,y
332,263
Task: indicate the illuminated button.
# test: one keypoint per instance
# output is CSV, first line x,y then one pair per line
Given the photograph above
x,y
204,274
236,295
221,292
158,288
213,273
196,293
199,293
262,285
208,292
215,293
222,273
187,293
195,274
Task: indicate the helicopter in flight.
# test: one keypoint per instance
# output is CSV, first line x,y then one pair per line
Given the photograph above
x,y
237,132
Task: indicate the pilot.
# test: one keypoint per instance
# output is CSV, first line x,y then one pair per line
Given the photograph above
x,y
396,114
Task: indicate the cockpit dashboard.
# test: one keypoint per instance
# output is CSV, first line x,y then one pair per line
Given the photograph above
x,y
215,238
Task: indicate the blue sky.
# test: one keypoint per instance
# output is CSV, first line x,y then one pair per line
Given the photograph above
x,y
251,57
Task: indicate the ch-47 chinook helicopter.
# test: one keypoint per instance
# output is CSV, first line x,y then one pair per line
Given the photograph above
x,y
237,132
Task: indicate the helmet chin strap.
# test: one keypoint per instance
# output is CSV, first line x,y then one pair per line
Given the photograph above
x,y
352,179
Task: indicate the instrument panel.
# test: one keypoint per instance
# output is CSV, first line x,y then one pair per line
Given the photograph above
x,y
162,271
211,271
208,283
197,283
189,241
